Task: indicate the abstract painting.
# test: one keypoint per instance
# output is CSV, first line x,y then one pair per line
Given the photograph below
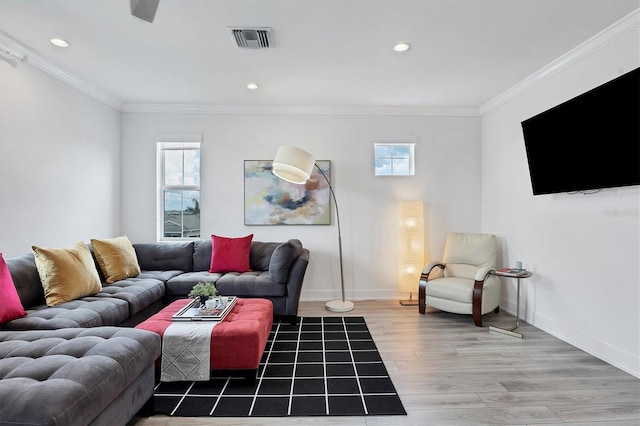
x,y
269,200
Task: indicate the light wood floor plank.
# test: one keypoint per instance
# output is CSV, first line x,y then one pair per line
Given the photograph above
x,y
561,398
475,416
598,412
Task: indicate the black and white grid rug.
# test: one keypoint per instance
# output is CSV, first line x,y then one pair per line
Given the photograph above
x,y
323,366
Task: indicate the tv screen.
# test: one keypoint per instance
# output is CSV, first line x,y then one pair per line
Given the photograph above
x,y
589,142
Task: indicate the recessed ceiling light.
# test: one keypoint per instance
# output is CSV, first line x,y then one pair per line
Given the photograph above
x,y
252,86
402,47
59,42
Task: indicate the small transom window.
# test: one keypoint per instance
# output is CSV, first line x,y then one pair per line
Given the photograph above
x,y
394,159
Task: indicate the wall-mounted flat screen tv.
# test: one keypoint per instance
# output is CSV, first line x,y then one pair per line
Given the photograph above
x,y
589,142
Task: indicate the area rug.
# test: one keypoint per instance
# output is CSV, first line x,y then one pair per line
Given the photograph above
x,y
323,366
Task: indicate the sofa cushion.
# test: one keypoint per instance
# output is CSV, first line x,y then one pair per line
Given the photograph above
x,y
230,254
202,254
163,276
282,258
261,255
69,376
11,307
182,284
26,280
116,258
66,274
90,311
250,284
137,292
165,256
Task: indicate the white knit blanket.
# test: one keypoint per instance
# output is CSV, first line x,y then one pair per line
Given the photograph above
x,y
186,351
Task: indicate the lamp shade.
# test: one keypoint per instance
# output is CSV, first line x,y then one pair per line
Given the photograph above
x,y
293,164
411,244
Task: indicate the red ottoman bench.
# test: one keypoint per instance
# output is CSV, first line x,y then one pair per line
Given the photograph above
x,y
237,343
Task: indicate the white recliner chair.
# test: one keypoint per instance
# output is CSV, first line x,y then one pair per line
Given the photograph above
x,y
461,282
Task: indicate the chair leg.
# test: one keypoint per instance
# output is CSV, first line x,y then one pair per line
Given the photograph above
x,y
476,303
422,296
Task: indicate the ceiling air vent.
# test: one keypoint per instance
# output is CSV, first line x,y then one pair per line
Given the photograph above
x,y
252,38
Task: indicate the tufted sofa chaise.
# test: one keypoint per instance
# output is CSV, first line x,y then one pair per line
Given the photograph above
x,y
76,363
76,376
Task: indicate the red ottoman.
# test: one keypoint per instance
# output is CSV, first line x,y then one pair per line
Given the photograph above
x,y
237,343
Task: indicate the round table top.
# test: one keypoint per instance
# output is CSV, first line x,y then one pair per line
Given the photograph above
x,y
512,273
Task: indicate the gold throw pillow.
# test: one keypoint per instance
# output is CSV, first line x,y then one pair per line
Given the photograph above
x,y
116,257
66,274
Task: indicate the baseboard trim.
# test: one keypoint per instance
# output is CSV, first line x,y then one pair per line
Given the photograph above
x,y
617,357
324,295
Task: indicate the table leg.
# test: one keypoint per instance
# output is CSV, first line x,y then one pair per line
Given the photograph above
x,y
510,331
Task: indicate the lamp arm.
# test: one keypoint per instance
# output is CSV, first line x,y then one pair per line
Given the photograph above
x,y
335,202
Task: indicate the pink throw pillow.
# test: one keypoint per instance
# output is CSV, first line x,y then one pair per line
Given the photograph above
x,y
230,254
11,306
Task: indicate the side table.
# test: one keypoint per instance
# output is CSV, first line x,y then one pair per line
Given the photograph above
x,y
517,274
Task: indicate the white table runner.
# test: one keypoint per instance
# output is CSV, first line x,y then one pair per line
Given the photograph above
x,y
186,351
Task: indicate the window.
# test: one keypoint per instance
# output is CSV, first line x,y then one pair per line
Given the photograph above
x,y
179,190
394,159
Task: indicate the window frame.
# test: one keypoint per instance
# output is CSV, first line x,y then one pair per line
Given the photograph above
x,y
410,158
162,188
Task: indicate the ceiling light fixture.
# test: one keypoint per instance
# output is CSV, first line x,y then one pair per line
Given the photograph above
x,y
402,47
59,42
252,86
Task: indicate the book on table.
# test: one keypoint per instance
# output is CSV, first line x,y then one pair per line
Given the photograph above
x,y
193,312
511,272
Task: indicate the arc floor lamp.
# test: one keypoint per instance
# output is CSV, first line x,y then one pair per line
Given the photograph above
x,y
295,165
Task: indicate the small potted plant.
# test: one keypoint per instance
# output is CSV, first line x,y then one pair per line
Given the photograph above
x,y
203,291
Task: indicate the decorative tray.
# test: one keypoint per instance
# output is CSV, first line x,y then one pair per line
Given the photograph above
x,y
193,312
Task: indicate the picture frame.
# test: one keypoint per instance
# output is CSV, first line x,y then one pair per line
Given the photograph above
x,y
269,200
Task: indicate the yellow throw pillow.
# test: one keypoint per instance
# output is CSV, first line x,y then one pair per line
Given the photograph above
x,y
66,274
116,257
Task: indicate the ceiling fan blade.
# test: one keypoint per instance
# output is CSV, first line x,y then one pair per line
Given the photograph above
x,y
144,9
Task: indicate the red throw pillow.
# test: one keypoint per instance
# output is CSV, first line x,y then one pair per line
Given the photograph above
x,y
11,306
230,254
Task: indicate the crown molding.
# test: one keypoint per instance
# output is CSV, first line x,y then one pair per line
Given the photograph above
x,y
74,82
610,34
298,110
37,61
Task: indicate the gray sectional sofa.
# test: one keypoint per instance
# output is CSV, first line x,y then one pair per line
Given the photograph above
x,y
77,363
169,271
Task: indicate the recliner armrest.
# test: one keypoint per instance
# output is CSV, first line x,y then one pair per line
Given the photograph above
x,y
483,273
429,266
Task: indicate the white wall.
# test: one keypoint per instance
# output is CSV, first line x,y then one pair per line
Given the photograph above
x,y
582,249
447,180
59,163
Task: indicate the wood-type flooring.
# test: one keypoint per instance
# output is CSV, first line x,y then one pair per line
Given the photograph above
x,y
449,372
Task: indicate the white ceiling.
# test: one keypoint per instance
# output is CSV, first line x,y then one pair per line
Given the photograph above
x,y
326,52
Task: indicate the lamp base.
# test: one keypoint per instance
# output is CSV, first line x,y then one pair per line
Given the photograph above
x,y
339,306
409,302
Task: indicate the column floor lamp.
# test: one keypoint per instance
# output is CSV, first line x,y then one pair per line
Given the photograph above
x,y
295,165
